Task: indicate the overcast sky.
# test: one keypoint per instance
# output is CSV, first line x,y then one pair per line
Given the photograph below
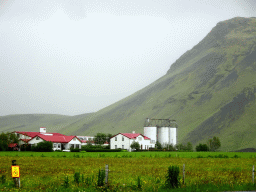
x,y
78,56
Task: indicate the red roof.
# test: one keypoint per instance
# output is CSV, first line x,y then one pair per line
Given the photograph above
x,y
12,145
30,134
132,135
25,140
57,139
33,134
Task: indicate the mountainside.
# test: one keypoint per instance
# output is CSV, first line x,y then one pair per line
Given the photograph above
x,y
210,91
32,122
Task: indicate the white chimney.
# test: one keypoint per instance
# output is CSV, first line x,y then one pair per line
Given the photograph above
x,y
133,132
42,130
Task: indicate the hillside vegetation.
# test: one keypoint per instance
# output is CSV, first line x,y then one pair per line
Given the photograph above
x,y
210,91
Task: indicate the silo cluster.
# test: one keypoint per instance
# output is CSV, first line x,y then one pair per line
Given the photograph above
x,y
162,130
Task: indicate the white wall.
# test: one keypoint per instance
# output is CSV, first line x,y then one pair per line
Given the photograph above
x,y
126,143
35,140
120,143
74,142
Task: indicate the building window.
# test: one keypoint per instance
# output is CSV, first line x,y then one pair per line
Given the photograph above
x,y
140,138
74,139
55,145
122,138
122,146
115,138
115,146
37,138
77,145
59,145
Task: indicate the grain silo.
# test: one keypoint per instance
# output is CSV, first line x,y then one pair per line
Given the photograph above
x,y
161,130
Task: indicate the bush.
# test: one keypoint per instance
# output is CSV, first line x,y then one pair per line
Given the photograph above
x,y
202,147
158,145
25,147
66,182
85,147
172,177
103,150
77,177
45,146
135,145
101,178
75,150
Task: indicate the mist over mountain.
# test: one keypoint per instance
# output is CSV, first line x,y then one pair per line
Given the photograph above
x,y
209,91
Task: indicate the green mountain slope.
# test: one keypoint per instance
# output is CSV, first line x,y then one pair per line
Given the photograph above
x,y
32,122
210,91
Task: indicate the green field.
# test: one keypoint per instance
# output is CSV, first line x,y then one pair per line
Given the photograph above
x,y
212,171
132,154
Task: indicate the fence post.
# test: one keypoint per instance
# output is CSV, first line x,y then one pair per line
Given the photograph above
x,y
183,173
253,174
106,174
16,174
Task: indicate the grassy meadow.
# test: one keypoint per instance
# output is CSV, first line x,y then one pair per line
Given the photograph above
x,y
212,171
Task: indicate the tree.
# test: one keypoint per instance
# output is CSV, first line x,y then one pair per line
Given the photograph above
x,y
180,147
135,145
4,142
189,146
202,147
6,139
214,144
108,137
100,138
158,145
171,147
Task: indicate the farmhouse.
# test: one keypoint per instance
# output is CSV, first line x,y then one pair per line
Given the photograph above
x,y
124,141
60,141
25,136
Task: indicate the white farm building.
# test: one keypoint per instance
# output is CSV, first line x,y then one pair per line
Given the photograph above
x,y
124,141
60,141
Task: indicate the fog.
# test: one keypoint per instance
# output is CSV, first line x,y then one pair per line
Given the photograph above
x,y
73,57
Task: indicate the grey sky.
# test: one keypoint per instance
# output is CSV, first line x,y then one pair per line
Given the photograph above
x,y
78,56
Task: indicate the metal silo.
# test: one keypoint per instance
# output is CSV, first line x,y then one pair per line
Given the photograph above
x,y
173,135
151,132
162,130
163,135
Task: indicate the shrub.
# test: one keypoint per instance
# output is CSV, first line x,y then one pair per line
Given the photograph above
x,y
202,147
172,177
103,150
3,179
139,183
101,177
135,145
75,150
77,177
158,145
66,182
25,147
45,146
